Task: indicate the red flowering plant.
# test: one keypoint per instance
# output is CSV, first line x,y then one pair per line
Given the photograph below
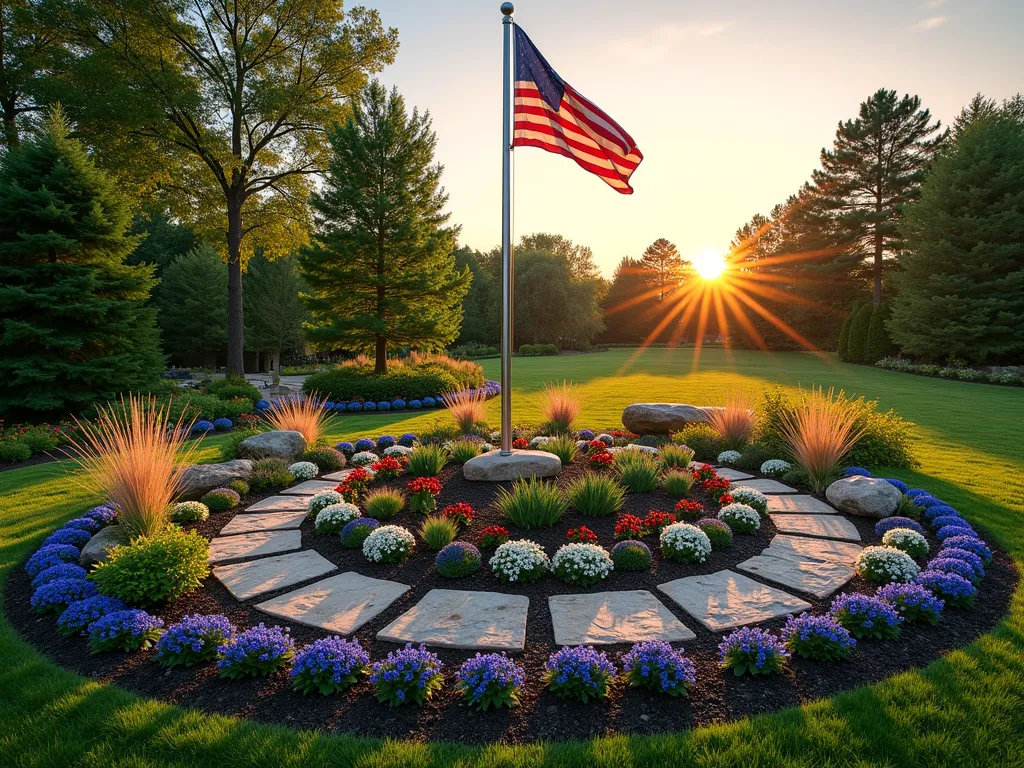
x,y
654,521
629,527
703,473
601,460
493,536
726,498
597,446
422,491
689,508
581,535
520,442
716,488
462,513
358,478
387,468
348,493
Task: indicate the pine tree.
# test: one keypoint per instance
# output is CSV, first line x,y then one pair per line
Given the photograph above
x,y
627,306
274,310
879,343
73,325
193,315
482,305
664,267
961,291
857,349
381,267
843,352
875,169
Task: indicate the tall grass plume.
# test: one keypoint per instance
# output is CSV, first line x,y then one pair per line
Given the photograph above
x,y
734,422
305,415
819,431
467,408
561,406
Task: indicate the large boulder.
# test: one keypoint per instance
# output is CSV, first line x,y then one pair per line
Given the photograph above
x,y
95,550
492,467
201,478
279,444
663,418
864,496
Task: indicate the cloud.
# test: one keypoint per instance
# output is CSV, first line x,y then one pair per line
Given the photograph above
x,y
931,22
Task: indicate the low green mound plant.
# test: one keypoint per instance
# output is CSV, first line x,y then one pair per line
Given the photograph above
x,y
464,450
220,499
702,438
383,503
718,532
231,441
753,456
563,447
532,503
270,475
631,555
673,456
638,471
326,459
677,483
427,460
14,451
437,532
239,486
232,388
594,495
154,569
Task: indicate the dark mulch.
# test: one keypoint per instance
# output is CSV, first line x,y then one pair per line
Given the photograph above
x,y
716,696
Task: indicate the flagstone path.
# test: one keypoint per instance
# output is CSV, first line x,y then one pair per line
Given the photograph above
x,y
455,618
599,618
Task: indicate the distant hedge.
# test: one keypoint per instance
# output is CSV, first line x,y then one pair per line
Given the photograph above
x,y
535,350
409,381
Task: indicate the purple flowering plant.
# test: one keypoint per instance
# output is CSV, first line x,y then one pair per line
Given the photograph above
x,y
913,602
80,615
821,638
949,519
104,514
938,511
129,630
490,680
866,616
579,673
657,666
329,664
355,531
970,544
959,529
257,651
193,640
49,556
408,674
950,553
952,565
457,560
88,522
955,590
752,650
56,595
60,571
897,522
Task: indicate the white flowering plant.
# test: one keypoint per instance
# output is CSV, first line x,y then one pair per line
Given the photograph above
x,y
583,564
728,457
775,467
322,500
634,447
332,519
605,438
684,543
538,441
363,458
907,540
740,517
486,448
521,561
397,451
189,512
388,544
885,564
304,470
751,497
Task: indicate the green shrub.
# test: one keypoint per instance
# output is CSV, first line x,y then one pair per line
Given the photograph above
x,y
229,448
14,450
155,569
595,495
857,348
879,345
427,460
410,380
753,456
239,486
189,512
796,477
705,442
464,450
843,352
536,350
638,471
909,509
195,405
563,447
718,533
436,532
39,439
532,503
383,503
326,459
631,555
677,484
270,475
673,456
233,387
220,499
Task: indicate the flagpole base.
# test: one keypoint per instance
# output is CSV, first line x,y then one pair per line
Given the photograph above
x,y
498,467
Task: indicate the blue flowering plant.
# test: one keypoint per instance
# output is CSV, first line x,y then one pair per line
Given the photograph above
x,y
409,674
579,673
955,590
969,544
887,524
913,602
657,666
939,511
856,472
49,556
821,638
958,529
385,441
88,522
364,444
222,424
202,426
867,617
953,565
256,651
76,537
60,571
193,640
408,439
104,514
753,651
970,558
80,615
56,595
899,485
490,680
345,447
328,665
128,630
457,560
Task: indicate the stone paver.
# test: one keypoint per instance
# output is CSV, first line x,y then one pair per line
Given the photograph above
x,y
816,566
453,618
613,617
246,545
732,474
823,526
726,599
309,488
263,521
338,476
280,504
799,504
821,549
767,485
269,574
341,603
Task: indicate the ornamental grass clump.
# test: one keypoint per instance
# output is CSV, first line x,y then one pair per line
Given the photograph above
x,y
437,532
734,422
752,651
906,540
637,471
563,447
560,406
388,544
427,460
354,533
821,638
685,543
955,590
305,415
330,520
677,483
329,665
580,673
819,431
128,630
718,532
657,666
490,680
457,560
583,564
463,450
154,569
740,518
631,555
673,456
407,675
383,503
866,617
594,495
751,497
467,408
56,595
914,603
255,652
519,562
189,512
884,564
133,455
193,640
82,614
532,503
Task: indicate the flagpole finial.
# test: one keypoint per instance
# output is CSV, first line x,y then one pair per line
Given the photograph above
x,y
507,9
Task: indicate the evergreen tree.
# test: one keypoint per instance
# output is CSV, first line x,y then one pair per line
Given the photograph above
x,y
843,351
552,308
274,310
74,327
481,309
663,266
627,306
961,291
193,315
879,343
875,169
164,239
857,348
381,267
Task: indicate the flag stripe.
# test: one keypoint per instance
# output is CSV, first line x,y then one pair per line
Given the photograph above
x,y
596,133
613,180
622,165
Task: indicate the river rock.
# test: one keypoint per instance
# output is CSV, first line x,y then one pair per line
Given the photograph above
x,y
864,496
663,418
95,550
278,444
202,478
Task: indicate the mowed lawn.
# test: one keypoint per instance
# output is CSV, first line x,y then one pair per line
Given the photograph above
x,y
964,710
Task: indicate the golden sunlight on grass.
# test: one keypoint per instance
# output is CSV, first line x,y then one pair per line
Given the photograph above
x,y
306,416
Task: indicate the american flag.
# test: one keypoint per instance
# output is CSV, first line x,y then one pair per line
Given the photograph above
x,y
552,115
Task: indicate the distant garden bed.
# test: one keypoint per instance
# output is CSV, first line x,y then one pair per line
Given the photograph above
x,y
414,378
954,372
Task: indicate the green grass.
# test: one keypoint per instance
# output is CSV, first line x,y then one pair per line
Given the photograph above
x,y
962,710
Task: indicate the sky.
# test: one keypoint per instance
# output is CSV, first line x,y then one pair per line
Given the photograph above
x,y
729,102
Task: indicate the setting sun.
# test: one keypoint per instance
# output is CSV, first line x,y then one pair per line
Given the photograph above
x,y
709,263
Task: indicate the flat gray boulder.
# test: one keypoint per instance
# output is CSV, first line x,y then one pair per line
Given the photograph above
x,y
95,550
202,478
278,444
492,467
864,496
663,418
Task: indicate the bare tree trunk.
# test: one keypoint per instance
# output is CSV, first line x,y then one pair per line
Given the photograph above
x,y
876,297
276,362
380,363
236,340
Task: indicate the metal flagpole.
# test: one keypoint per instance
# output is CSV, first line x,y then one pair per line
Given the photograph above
x,y
507,269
